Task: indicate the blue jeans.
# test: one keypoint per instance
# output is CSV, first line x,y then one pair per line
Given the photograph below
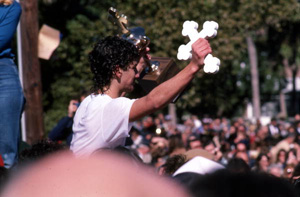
x,y
11,107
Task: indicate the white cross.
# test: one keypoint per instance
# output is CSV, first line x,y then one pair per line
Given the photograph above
x,y
211,64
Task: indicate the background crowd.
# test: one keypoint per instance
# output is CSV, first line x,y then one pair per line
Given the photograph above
x,y
271,148
239,145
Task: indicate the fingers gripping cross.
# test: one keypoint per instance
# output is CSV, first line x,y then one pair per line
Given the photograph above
x,y
211,64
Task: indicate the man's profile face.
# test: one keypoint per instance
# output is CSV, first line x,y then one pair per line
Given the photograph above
x,y
128,76
138,67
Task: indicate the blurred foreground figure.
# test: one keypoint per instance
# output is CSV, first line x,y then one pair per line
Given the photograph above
x,y
103,174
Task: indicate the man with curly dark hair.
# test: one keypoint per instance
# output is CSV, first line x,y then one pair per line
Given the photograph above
x,y
104,119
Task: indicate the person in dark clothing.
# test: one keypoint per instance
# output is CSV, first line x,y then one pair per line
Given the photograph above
x,y
63,130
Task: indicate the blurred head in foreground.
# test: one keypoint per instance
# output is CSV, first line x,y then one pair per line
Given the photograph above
x,y
104,174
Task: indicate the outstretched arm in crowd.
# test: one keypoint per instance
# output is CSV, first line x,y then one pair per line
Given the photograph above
x,y
167,91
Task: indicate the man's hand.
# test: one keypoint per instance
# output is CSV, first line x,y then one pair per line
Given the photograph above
x,y
145,56
145,53
200,49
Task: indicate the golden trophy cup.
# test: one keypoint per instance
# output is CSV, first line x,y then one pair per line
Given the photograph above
x,y
156,71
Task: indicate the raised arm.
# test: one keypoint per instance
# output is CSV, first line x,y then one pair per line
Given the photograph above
x,y
167,91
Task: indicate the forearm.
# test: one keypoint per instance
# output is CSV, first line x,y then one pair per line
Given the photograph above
x,y
167,91
164,93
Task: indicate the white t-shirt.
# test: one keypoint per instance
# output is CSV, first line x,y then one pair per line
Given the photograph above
x,y
100,122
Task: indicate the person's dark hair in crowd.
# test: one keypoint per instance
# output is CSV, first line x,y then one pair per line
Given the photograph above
x,y
173,163
296,178
262,163
176,145
193,142
40,150
238,165
205,139
228,184
242,155
281,157
210,146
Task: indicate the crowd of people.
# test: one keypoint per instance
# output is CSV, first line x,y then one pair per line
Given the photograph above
x,y
235,147
271,148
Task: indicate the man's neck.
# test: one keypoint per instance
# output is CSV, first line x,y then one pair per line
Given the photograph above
x,y
113,92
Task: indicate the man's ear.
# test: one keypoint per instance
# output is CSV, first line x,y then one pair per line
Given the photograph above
x,y
118,72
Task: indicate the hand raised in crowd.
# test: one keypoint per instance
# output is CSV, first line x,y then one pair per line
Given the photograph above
x,y
145,53
145,56
72,107
200,49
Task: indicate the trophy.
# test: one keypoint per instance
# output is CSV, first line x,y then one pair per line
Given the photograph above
x,y
156,71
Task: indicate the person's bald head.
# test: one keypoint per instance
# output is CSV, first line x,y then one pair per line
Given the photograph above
x,y
104,174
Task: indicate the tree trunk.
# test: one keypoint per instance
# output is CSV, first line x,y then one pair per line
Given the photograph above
x,y
254,76
31,71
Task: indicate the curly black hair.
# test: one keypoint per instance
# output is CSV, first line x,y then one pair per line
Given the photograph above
x,y
174,163
108,55
40,150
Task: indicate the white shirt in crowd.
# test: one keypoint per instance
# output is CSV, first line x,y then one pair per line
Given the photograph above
x,y
100,122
